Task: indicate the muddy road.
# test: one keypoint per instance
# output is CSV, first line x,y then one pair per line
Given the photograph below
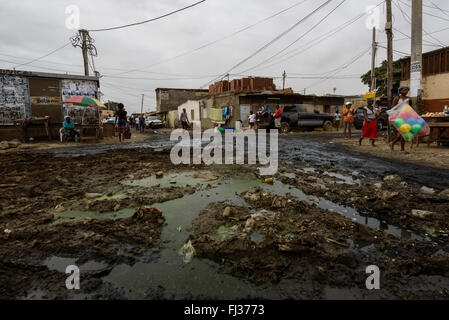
x,y
139,227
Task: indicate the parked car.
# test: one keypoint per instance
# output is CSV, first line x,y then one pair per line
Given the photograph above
x,y
298,116
153,122
382,118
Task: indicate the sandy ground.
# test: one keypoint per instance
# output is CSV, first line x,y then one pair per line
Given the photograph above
x,y
433,156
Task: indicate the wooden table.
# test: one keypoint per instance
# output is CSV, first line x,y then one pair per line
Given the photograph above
x,y
83,127
22,124
439,127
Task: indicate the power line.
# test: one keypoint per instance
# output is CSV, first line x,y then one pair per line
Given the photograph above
x,y
215,41
299,38
302,49
149,20
443,11
408,19
344,66
429,14
46,55
271,42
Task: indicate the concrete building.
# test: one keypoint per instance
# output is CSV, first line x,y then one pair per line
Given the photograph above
x,y
435,82
25,94
169,99
209,109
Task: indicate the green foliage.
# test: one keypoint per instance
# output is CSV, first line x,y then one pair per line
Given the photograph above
x,y
381,77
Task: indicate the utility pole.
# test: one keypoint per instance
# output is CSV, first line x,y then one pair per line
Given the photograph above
x,y
389,31
373,62
141,107
83,40
284,75
416,58
84,34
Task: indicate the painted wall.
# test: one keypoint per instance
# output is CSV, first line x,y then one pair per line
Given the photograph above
x,y
435,91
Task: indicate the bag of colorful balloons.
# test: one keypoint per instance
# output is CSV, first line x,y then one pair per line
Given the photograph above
x,y
409,124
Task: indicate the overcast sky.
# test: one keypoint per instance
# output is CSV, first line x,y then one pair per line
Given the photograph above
x,y
32,28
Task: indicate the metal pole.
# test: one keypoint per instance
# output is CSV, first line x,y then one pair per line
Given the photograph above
x,y
141,107
373,62
416,58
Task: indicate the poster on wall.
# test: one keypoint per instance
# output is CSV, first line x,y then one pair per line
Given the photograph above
x,y
82,115
78,114
73,88
14,103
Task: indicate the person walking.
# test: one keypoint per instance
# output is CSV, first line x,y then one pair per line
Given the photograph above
x,y
252,120
348,113
137,123
369,129
142,123
400,99
120,121
337,117
184,119
278,117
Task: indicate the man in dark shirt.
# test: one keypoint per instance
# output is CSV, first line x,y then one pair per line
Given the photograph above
x,y
120,121
142,123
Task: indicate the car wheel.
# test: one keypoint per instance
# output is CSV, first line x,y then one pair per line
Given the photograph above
x,y
285,127
327,126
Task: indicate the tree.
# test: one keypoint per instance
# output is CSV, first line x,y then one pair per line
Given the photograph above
x,y
381,77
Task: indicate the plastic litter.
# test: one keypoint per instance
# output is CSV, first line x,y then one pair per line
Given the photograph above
x,y
187,251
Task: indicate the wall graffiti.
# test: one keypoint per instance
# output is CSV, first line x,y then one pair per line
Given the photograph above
x,y
14,102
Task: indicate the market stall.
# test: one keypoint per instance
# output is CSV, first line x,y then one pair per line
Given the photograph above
x,y
439,127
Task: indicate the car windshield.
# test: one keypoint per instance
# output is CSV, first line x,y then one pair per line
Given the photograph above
x,y
153,118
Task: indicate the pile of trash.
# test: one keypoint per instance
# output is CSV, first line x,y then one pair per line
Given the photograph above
x,y
148,214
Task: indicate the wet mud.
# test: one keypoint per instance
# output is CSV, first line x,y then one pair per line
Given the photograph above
x,y
122,215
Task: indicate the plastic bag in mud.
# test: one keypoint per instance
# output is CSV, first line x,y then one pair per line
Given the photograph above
x,y
407,122
187,251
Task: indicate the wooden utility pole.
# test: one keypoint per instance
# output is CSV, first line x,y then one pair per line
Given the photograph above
x,y
141,107
389,31
283,80
373,62
416,58
84,35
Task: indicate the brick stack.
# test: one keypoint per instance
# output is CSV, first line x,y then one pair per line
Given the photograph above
x,y
219,87
250,84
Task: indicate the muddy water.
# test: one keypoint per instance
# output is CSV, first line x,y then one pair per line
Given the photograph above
x,y
315,149
203,276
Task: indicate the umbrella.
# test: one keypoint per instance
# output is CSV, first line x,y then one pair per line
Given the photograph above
x,y
85,101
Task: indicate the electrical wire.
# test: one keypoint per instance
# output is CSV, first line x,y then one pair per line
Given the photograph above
x,y
212,42
344,66
271,42
408,19
302,49
297,39
146,21
46,55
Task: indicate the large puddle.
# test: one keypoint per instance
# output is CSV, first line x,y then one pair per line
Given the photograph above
x,y
202,277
